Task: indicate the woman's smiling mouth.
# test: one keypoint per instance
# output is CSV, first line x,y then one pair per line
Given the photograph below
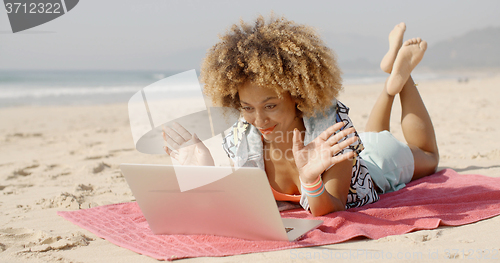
x,y
268,130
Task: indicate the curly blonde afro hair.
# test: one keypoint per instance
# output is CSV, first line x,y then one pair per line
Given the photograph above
x,y
281,55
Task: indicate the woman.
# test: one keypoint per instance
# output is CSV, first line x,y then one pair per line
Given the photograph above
x,y
284,81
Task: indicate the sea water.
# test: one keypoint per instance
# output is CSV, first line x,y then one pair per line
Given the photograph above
x,y
39,88
21,88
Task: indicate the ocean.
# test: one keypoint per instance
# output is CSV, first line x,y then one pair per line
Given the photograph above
x,y
40,88
36,88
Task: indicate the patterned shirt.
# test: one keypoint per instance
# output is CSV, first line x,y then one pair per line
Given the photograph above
x,y
244,146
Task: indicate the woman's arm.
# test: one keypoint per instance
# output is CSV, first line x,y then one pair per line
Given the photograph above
x,y
337,181
325,156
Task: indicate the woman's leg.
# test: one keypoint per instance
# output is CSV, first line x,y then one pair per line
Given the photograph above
x,y
380,115
418,131
415,120
395,43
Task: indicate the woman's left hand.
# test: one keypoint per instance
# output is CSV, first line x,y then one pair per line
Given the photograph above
x,y
189,149
312,160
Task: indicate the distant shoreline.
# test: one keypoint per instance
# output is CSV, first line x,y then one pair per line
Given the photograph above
x,y
66,88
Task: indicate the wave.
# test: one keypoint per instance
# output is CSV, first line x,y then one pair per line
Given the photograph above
x,y
12,93
9,93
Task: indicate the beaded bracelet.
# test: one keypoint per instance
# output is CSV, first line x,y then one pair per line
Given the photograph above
x,y
315,189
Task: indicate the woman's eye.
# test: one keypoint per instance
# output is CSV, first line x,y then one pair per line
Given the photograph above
x,y
270,106
246,108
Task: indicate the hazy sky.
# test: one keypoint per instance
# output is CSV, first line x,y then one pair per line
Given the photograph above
x,y
172,35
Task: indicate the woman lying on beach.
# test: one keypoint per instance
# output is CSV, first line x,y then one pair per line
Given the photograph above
x,y
284,81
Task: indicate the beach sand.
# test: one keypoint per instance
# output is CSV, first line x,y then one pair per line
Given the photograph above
x,y
67,158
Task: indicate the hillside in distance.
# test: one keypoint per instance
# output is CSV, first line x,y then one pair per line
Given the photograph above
x,y
477,49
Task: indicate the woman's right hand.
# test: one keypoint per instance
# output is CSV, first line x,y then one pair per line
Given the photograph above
x,y
187,149
320,154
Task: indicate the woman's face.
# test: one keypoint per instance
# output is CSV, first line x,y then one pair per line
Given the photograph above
x,y
274,117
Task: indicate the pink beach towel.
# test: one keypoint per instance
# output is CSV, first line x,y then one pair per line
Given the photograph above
x,y
445,198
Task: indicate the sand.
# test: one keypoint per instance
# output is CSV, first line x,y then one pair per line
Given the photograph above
x,y
66,158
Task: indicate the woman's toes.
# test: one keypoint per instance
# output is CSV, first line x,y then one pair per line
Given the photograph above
x,y
423,45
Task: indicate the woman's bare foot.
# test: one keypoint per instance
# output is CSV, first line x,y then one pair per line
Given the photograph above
x,y
409,55
395,42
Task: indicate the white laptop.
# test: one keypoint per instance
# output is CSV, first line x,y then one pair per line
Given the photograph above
x,y
239,205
